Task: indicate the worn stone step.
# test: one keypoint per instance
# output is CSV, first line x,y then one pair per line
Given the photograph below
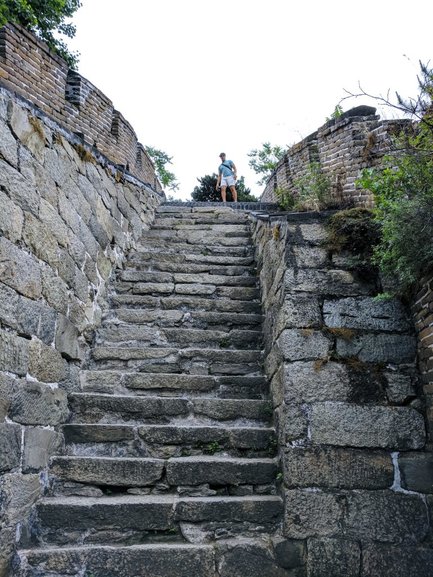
x,y
149,560
187,303
138,258
185,319
123,518
156,245
213,291
161,265
181,337
164,441
119,382
204,238
212,227
107,408
176,360
176,472
129,277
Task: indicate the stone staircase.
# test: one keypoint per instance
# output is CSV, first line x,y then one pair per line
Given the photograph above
x,y
169,467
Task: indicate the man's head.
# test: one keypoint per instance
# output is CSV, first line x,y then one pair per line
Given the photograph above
x,y
223,156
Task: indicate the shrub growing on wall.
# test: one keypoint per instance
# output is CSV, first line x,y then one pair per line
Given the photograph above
x,y
403,193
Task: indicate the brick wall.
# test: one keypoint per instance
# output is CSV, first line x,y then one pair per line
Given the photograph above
x,y
423,316
342,147
30,69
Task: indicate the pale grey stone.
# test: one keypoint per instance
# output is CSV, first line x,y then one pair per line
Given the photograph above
x,y
220,471
336,557
18,188
106,471
51,218
19,270
27,129
380,560
67,342
379,348
46,363
367,426
328,467
298,311
400,388
8,306
307,382
310,257
366,314
54,290
179,560
40,240
303,344
8,145
372,515
11,217
10,446
39,446
36,319
248,558
324,282
14,353
314,233
416,471
33,403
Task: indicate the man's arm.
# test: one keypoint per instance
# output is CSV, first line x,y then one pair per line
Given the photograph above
x,y
234,169
218,180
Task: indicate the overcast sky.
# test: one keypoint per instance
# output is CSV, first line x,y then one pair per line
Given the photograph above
x,y
198,77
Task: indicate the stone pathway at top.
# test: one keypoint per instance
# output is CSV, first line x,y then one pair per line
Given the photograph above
x,y
169,467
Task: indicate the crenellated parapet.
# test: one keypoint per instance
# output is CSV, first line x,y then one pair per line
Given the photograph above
x,y
31,70
342,147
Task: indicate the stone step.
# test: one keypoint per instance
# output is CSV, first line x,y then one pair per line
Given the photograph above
x,y
200,289
165,441
186,319
151,560
186,303
176,360
174,473
118,382
157,245
213,227
181,337
229,557
128,518
107,408
129,277
224,261
165,265
203,238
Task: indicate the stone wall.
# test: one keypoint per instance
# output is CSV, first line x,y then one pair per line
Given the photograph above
x,y
423,316
342,147
356,475
65,221
30,69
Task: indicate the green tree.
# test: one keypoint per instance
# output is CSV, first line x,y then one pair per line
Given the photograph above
x,y
206,191
403,193
264,160
160,160
46,19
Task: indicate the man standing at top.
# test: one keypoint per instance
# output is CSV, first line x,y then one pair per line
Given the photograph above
x,y
227,178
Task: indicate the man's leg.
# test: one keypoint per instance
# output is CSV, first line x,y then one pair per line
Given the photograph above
x,y
234,193
223,193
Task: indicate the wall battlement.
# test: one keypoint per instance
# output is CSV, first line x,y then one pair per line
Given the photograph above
x,y
342,147
31,70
